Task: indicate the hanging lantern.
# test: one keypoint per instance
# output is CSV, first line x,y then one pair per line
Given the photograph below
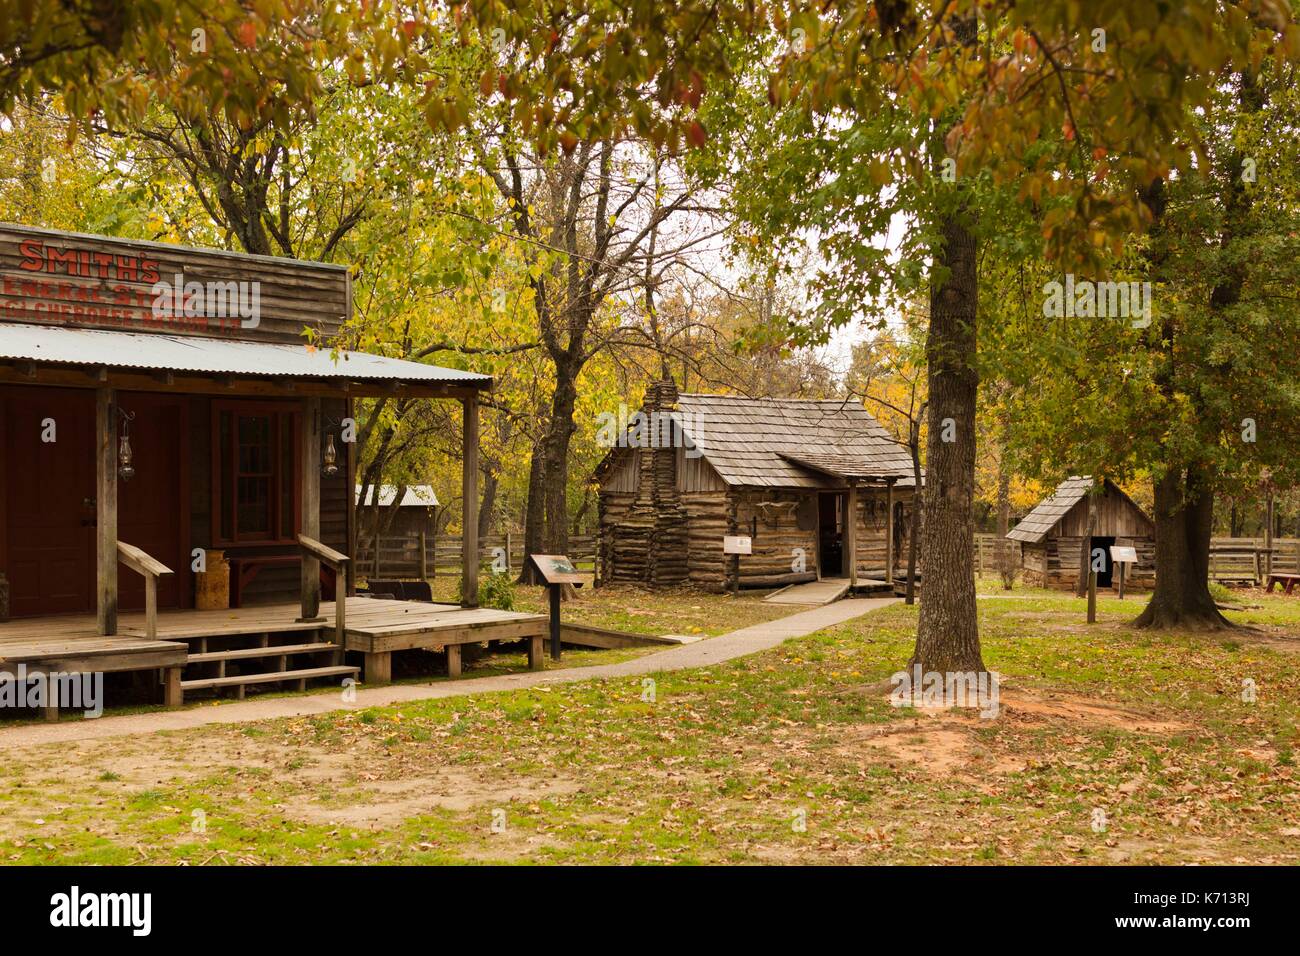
x,y
330,460
125,457
125,470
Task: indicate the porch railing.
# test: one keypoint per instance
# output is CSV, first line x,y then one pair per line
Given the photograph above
x,y
338,563
151,569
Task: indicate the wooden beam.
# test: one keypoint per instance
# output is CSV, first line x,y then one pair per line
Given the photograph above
x,y
469,494
309,497
106,511
851,535
889,533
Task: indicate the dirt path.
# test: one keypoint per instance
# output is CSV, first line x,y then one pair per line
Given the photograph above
x,y
748,640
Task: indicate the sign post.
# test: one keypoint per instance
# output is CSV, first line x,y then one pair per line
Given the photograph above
x,y
735,545
1121,556
557,571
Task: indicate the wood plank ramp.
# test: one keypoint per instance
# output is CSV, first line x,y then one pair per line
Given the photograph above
x,y
813,593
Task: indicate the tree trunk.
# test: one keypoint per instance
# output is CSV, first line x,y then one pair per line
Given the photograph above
x,y
1184,516
1005,570
1085,548
914,532
487,506
947,637
534,518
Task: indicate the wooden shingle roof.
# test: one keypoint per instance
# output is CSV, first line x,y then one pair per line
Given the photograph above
x,y
790,443
1036,525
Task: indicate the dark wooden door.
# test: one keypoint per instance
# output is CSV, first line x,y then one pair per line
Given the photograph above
x,y
150,508
830,534
49,500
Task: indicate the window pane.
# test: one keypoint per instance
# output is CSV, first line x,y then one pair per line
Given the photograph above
x,y
254,506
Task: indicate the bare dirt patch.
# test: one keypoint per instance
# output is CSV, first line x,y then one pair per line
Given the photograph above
x,y
942,741
385,803
1083,710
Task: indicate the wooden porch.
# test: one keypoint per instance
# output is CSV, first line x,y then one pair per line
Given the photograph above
x,y
234,649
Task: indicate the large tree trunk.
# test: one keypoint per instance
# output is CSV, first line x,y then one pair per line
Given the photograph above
x,y
534,517
1184,518
947,638
555,482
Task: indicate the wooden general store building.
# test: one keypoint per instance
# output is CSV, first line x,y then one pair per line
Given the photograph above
x,y
159,403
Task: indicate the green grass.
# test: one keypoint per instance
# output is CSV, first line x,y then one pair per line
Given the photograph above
x,y
722,762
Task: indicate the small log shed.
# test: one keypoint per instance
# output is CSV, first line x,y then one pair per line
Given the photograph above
x,y
1052,533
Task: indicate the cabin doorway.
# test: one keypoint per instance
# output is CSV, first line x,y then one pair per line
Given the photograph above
x,y
830,533
1104,575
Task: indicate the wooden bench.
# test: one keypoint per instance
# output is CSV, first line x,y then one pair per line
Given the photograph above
x,y
244,570
1286,579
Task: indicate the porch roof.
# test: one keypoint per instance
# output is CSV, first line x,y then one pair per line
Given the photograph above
x,y
204,355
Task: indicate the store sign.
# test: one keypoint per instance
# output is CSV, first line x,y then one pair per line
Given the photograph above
x,y
57,278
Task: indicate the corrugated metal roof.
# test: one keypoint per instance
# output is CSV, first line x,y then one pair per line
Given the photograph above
x,y
204,355
417,496
746,439
1034,527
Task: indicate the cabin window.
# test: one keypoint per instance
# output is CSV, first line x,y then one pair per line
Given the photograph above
x,y
255,498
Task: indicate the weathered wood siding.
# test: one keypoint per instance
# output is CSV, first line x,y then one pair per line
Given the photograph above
x,y
57,278
694,474
1116,517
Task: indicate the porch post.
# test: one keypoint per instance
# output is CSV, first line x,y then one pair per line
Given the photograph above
x,y
106,510
469,504
889,531
851,535
309,501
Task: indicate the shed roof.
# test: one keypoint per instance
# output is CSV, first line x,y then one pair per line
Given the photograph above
x,y
1036,525
790,442
417,496
205,355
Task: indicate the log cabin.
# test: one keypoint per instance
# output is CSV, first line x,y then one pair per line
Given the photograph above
x,y
175,483
818,487
1052,534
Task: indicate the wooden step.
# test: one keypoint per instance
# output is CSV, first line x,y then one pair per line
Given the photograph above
x,y
271,650
269,678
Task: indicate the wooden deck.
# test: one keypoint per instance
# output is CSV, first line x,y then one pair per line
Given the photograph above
x,y
215,650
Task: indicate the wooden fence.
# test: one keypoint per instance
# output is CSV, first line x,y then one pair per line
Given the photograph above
x,y
1231,559
417,555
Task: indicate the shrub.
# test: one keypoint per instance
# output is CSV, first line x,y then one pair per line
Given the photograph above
x,y
494,590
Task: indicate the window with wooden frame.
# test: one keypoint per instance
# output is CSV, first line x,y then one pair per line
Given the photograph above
x,y
256,473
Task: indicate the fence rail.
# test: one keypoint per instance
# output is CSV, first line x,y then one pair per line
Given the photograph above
x,y
1231,559
400,555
